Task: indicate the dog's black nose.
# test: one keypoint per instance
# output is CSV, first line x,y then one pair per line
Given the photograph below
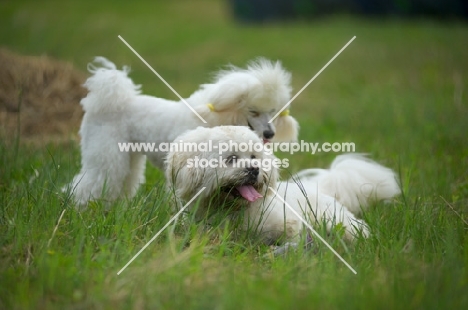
x,y
254,171
268,134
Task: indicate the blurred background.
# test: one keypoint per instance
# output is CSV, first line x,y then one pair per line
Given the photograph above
x,y
400,86
264,10
398,91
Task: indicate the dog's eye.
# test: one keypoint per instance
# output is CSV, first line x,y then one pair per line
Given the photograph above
x,y
254,113
231,159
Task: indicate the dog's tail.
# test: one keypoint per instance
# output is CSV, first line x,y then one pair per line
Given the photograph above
x,y
354,180
110,89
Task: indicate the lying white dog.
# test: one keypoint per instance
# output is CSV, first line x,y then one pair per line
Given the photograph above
x,y
332,196
116,112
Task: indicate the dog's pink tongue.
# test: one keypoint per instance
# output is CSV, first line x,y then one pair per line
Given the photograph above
x,y
248,192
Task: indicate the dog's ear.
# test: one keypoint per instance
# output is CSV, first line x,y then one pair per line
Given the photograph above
x,y
214,117
183,175
270,174
224,102
230,96
287,129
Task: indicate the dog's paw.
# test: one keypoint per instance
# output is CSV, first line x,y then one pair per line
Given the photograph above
x,y
285,248
356,229
293,246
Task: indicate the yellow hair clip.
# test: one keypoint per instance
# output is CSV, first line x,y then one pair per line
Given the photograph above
x,y
211,107
284,113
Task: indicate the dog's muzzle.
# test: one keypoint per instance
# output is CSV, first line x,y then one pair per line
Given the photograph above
x,y
253,172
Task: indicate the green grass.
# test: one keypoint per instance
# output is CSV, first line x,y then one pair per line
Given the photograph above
x,y
399,91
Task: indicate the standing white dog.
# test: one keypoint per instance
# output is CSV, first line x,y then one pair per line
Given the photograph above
x,y
116,112
242,177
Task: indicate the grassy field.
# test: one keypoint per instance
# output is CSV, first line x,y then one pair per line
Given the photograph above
x,y
399,92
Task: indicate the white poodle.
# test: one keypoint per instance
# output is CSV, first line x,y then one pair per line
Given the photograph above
x,y
243,178
116,112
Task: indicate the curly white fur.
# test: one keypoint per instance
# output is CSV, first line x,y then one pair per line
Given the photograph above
x,y
336,196
371,182
117,112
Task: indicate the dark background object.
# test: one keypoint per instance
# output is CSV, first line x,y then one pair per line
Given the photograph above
x,y
269,10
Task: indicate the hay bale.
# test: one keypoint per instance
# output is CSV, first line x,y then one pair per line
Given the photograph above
x,y
39,97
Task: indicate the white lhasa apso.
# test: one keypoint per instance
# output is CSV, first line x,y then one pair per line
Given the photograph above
x,y
116,112
329,196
